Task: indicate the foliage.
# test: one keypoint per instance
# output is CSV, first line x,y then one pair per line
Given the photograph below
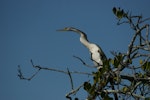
x,y
126,75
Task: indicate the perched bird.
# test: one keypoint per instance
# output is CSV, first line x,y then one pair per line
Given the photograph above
x,y
97,55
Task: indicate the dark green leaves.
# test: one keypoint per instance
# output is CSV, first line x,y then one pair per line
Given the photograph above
x,y
87,86
105,96
148,98
90,89
119,13
117,59
145,66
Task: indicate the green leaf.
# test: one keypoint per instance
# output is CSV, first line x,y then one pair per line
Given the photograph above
x,y
146,66
95,79
117,79
125,89
148,98
119,13
117,59
87,86
105,96
114,10
115,62
76,99
108,98
141,62
92,90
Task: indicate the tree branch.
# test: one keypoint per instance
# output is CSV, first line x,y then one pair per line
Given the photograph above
x,y
71,81
128,93
84,62
134,78
21,76
74,91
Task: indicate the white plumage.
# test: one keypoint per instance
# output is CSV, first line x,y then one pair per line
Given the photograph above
x,y
97,55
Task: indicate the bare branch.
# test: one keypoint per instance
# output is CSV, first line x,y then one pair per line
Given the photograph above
x,y
128,93
144,20
20,74
134,78
71,81
74,91
147,37
84,62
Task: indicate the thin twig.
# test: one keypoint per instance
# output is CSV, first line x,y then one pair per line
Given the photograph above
x,y
71,81
147,36
128,93
74,91
21,76
133,78
84,62
144,20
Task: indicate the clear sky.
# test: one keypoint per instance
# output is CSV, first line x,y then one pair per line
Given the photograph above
x,y
28,31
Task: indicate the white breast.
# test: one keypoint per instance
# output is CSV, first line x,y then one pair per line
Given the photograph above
x,y
96,57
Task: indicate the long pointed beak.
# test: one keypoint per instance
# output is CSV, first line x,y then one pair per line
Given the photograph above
x,y
60,30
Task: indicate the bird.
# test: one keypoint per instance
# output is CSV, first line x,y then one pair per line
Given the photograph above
x,y
97,54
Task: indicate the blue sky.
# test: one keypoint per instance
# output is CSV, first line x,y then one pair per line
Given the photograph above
x,y
28,31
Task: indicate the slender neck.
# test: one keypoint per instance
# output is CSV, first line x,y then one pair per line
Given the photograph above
x,y
83,38
84,41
